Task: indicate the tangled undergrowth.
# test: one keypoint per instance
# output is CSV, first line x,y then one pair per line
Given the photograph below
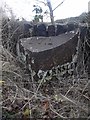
x,y
25,98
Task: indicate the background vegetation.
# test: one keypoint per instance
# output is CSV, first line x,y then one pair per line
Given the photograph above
x,y
49,97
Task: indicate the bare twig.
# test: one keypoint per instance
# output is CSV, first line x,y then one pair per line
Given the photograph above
x,y
53,110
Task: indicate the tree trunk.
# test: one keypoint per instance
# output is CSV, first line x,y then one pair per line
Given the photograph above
x,y
51,11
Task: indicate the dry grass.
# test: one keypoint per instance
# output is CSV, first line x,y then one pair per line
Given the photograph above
x,y
53,97
56,97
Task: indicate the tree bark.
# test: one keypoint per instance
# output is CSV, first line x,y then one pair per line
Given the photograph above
x,y
51,11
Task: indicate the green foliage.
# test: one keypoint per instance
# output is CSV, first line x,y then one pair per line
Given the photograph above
x,y
38,13
37,9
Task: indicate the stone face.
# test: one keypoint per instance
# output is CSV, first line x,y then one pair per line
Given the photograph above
x,y
51,30
59,55
61,29
26,30
70,27
41,30
46,53
47,30
34,31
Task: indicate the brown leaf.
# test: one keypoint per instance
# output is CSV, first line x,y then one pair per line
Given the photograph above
x,y
45,105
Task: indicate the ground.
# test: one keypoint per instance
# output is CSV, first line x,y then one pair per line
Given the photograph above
x,y
56,97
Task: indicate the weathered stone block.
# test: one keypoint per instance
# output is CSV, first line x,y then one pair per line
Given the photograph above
x,y
61,29
34,31
51,30
41,30
46,53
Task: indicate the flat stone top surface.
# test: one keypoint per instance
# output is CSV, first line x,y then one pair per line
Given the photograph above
x,y
38,44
